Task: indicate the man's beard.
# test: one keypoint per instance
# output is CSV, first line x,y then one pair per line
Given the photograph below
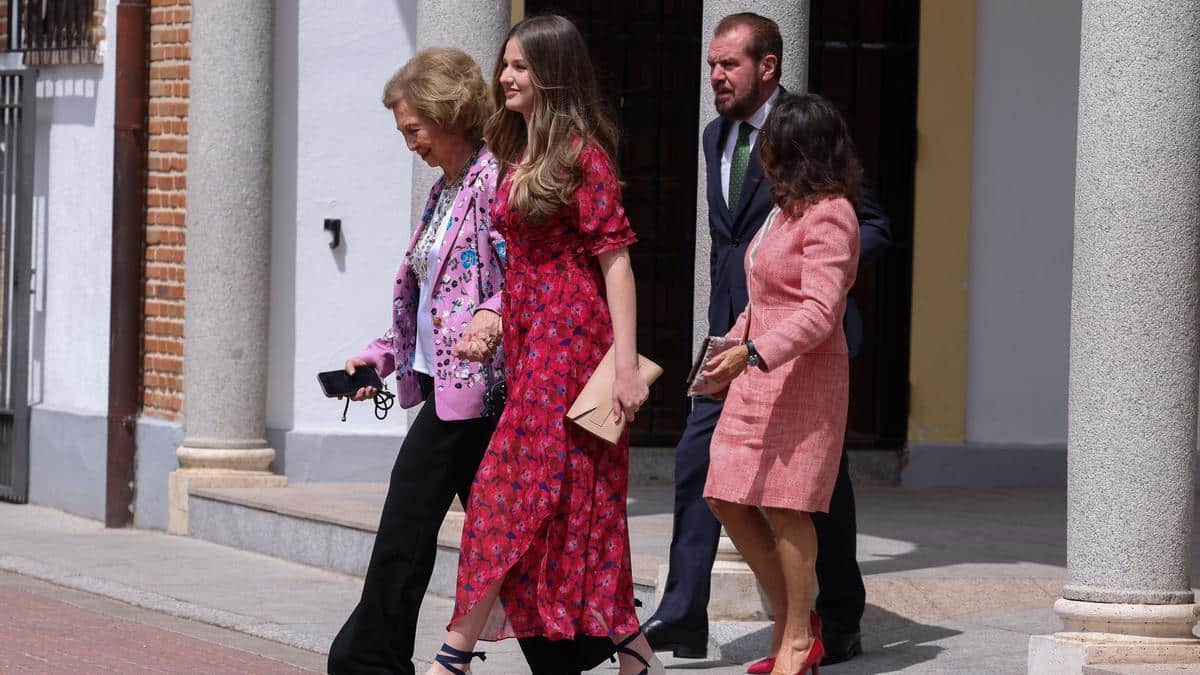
x,y
741,107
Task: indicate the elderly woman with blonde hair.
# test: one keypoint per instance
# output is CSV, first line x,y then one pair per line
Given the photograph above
x,y
441,344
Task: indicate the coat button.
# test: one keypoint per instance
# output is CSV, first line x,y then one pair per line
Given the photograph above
x,y
736,242
437,320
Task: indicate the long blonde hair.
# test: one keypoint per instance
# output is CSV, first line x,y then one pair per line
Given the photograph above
x,y
567,113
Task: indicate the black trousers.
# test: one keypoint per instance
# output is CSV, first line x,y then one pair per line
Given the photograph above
x,y
566,657
842,596
437,460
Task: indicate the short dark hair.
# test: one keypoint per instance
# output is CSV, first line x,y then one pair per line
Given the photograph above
x,y
806,149
764,36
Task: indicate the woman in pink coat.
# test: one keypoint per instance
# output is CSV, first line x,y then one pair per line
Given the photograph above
x,y
441,343
774,456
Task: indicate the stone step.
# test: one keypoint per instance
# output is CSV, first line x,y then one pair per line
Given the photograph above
x,y
333,525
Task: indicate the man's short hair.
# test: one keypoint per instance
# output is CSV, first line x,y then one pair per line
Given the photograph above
x,y
764,36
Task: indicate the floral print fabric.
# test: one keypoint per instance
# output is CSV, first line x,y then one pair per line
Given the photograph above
x,y
546,516
469,277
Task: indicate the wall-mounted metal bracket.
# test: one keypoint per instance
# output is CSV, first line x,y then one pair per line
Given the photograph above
x,y
334,227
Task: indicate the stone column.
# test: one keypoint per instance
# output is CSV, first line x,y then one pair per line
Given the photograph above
x,y
228,254
792,18
478,28
734,591
1132,413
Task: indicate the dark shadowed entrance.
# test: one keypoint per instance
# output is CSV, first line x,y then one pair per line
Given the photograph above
x,y
863,56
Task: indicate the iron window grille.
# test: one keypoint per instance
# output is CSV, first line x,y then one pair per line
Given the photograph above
x,y
51,32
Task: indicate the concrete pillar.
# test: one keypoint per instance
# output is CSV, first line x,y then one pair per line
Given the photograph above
x,y
1133,396
734,592
228,254
792,18
478,28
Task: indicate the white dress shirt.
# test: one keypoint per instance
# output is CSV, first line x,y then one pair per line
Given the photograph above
x,y
757,120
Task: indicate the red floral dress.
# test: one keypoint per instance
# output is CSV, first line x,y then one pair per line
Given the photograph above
x,y
547,510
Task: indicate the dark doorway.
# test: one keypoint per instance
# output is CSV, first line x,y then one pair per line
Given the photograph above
x,y
863,57
645,54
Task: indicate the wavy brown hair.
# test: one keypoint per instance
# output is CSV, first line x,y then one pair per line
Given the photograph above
x,y
445,85
806,149
567,109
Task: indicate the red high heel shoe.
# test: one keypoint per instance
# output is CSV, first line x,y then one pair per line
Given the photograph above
x,y
813,661
762,666
765,665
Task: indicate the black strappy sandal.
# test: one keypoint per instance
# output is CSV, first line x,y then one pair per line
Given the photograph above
x,y
448,657
647,668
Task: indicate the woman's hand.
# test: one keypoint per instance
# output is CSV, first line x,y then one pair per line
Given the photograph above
x,y
480,339
365,392
629,393
722,368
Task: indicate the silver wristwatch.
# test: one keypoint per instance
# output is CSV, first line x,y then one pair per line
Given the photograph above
x,y
753,361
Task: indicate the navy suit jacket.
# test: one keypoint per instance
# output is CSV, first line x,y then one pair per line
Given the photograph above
x,y
731,234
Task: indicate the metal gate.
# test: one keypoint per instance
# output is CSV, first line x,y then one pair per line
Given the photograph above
x,y
17,125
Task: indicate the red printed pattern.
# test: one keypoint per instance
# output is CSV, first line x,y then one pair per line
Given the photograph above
x,y
547,510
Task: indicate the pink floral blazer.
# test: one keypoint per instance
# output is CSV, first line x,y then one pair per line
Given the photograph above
x,y
469,277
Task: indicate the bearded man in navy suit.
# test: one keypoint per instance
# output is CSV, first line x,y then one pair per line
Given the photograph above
x,y
745,58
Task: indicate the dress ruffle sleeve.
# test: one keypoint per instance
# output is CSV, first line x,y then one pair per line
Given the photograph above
x,y
601,214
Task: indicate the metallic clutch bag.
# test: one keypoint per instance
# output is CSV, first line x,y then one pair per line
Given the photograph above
x,y
698,385
593,409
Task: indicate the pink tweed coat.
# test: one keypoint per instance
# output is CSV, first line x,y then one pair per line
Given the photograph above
x,y
779,440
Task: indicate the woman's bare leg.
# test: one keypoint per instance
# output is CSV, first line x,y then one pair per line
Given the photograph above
x,y
464,634
796,543
755,540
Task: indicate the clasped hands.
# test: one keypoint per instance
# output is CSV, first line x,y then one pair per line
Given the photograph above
x,y
481,338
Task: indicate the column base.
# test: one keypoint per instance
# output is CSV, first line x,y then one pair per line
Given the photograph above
x,y
181,481
735,593
1099,633
1070,653
1149,621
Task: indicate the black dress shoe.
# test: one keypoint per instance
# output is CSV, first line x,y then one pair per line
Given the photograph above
x,y
840,647
681,642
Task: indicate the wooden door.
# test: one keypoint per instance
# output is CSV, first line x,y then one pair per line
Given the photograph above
x,y
863,57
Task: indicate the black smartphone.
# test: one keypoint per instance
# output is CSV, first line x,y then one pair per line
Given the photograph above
x,y
340,383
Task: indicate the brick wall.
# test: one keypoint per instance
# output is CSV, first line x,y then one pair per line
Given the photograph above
x,y
166,207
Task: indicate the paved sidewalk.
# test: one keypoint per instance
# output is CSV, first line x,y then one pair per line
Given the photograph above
x,y
50,629
957,581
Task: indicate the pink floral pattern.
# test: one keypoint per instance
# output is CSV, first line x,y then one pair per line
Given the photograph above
x,y
469,277
547,511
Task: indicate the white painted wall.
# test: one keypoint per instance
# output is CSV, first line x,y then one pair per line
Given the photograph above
x,y
73,233
1026,81
337,155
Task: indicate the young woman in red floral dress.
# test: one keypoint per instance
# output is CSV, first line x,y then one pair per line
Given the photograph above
x,y
545,545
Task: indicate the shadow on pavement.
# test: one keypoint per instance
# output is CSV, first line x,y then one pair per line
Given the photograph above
x,y
940,527
891,643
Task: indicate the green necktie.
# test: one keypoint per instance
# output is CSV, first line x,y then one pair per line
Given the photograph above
x,y
737,167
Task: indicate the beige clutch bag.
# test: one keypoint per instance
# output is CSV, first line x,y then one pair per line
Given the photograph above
x,y
593,409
